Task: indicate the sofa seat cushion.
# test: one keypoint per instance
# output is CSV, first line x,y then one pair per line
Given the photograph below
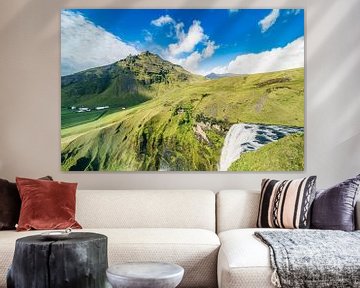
x,y
194,249
244,261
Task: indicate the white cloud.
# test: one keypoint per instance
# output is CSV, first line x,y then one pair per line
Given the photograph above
x,y
269,20
187,42
85,45
148,36
293,11
179,29
162,21
209,49
192,62
277,59
186,51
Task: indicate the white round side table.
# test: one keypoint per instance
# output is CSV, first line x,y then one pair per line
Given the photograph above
x,y
145,275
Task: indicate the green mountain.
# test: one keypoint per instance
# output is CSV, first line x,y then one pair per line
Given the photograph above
x,y
181,121
125,83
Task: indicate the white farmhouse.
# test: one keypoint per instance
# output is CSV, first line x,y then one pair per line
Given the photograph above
x,y
102,107
83,109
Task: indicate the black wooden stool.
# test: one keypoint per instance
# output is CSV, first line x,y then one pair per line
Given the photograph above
x,y
79,261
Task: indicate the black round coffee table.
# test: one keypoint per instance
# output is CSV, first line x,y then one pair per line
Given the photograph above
x,y
78,261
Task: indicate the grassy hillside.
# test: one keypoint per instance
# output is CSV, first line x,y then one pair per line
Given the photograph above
x,y
182,125
287,154
125,83
269,98
147,137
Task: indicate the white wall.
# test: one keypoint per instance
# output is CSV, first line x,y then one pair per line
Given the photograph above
x,y
30,94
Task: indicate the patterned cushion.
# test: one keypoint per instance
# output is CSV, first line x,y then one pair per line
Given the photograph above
x,y
286,204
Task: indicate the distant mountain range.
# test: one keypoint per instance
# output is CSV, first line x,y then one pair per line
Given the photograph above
x,y
217,76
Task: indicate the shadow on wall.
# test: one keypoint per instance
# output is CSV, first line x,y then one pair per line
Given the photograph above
x,y
41,10
332,98
345,66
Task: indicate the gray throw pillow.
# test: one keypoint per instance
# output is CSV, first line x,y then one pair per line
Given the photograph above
x,y
334,208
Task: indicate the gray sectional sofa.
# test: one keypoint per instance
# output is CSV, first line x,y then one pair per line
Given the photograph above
x,y
210,235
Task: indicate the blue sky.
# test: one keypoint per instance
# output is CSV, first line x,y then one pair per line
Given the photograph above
x,y
201,40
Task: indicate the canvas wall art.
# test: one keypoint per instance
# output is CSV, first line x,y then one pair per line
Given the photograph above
x,y
182,90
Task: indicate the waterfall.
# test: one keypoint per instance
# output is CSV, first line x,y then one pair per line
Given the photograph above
x,y
248,137
233,144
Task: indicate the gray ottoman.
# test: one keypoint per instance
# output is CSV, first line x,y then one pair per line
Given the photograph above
x,y
145,275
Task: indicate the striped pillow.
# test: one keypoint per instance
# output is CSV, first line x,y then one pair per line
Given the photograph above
x,y
286,204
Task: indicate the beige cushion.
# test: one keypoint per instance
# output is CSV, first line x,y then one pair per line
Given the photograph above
x,y
194,249
146,209
244,261
236,209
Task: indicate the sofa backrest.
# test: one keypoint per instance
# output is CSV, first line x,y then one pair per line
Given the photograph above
x,y
146,209
239,209
236,209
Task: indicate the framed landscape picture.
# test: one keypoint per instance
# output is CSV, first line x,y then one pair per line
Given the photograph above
x,y
182,90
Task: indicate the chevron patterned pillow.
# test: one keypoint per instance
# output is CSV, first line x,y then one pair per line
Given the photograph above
x,y
286,204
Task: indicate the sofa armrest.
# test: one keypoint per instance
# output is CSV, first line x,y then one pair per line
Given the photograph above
x,y
357,215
